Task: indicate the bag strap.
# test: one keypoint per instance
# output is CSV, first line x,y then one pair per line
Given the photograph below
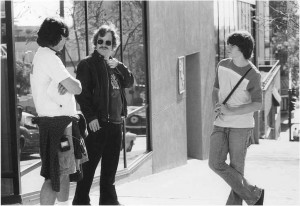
x,y
235,87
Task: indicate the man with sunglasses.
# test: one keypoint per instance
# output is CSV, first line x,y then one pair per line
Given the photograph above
x,y
103,103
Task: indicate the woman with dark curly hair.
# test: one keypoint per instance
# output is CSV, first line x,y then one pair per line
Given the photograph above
x,y
57,157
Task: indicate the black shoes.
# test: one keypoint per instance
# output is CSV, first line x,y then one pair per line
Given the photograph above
x,y
260,201
116,202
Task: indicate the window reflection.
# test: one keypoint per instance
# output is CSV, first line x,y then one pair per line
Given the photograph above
x,y
6,167
134,57
222,29
75,48
28,17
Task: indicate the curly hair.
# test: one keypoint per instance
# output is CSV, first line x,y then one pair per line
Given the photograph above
x,y
244,41
51,31
102,32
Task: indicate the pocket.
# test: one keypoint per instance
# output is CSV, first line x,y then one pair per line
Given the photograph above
x,y
250,137
217,129
64,159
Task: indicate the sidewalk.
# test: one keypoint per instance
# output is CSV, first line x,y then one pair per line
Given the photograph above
x,y
272,164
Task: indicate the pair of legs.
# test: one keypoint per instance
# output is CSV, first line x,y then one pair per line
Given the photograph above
x,y
105,144
233,141
67,166
48,196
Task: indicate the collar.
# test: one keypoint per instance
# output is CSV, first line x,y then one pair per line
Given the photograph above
x,y
57,53
96,53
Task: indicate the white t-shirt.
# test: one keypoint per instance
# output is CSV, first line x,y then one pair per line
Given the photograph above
x,y
48,71
228,74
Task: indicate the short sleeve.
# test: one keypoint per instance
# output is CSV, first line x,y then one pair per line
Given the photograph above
x,y
254,88
56,69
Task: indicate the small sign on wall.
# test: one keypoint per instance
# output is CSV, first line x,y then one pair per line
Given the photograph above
x,y
181,74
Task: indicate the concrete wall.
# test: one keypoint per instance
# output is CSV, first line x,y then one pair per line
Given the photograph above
x,y
178,29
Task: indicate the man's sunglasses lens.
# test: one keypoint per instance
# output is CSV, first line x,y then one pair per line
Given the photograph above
x,y
100,41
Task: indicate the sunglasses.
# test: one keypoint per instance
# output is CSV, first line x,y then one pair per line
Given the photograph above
x,y
107,43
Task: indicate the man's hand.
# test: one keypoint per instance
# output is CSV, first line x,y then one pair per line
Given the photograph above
x,y
217,110
225,109
94,125
221,109
61,89
112,63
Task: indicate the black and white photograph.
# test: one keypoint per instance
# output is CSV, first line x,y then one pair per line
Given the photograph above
x,y
153,102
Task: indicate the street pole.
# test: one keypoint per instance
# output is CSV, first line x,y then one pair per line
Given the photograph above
x,y
290,109
290,114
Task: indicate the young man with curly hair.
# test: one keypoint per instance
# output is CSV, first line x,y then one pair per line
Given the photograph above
x,y
233,126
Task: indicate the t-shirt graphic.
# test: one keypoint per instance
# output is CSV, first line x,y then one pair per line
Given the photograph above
x,y
115,99
114,82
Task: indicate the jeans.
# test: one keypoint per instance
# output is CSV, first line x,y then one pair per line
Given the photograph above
x,y
234,141
106,144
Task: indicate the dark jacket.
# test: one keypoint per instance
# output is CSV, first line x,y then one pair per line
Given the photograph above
x,y
92,72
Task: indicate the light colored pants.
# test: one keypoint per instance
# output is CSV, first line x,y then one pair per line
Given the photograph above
x,y
234,141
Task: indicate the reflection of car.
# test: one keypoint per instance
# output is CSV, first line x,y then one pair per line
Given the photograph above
x,y
137,122
129,141
29,135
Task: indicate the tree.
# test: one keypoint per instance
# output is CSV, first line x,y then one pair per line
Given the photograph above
x,y
104,12
283,22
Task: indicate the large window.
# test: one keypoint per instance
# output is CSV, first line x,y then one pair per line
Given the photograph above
x,y
6,141
130,21
230,16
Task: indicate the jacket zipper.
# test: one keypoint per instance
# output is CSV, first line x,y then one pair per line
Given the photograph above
x,y
107,104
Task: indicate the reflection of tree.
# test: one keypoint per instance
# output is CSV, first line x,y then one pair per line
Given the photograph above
x,y
22,77
103,12
133,39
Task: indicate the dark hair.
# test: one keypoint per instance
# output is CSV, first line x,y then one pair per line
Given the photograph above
x,y
102,32
51,31
244,41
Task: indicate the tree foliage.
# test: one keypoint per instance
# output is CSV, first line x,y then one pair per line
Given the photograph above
x,y
283,24
104,12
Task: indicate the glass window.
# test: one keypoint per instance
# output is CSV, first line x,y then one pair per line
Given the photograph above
x,y
134,56
227,25
28,16
6,166
235,15
75,48
216,29
222,28
232,16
